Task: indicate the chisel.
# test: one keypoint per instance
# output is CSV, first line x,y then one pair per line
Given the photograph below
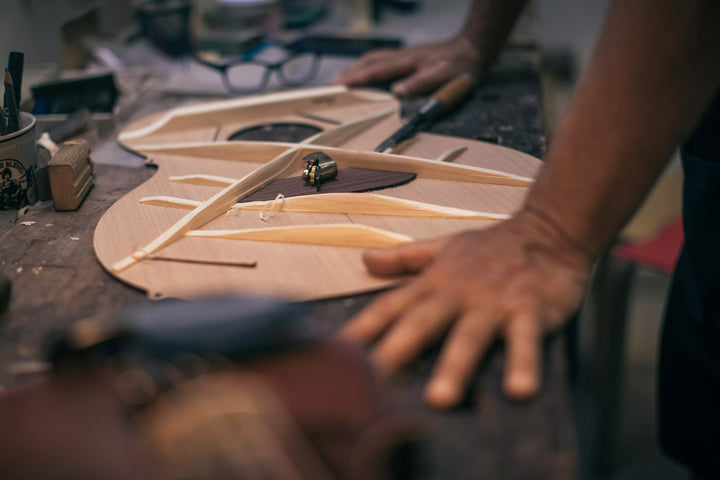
x,y
5,292
12,116
441,101
16,61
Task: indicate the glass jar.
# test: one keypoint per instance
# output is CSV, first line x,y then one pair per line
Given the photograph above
x,y
231,27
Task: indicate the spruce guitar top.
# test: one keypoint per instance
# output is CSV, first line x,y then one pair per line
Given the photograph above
x,y
194,230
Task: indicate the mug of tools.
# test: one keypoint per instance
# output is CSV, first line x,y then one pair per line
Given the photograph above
x,y
17,165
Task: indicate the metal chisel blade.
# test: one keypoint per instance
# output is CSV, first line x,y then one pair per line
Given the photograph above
x,y
404,132
448,96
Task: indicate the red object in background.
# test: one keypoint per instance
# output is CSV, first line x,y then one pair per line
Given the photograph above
x,y
659,251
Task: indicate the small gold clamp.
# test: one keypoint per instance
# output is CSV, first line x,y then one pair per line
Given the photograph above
x,y
318,168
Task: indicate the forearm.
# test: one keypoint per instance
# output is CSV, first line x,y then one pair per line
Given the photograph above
x,y
655,68
488,24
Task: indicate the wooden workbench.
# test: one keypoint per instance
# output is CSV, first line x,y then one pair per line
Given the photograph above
x,y
56,279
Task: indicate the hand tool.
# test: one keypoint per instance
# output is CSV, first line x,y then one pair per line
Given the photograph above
x,y
5,292
15,67
11,105
441,101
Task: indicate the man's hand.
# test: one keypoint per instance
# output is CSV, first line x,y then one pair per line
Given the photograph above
x,y
423,68
517,280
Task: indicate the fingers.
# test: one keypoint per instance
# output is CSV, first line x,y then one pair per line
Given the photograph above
x,y
523,351
469,341
461,353
376,66
425,79
414,323
419,326
376,317
410,258
379,315
462,287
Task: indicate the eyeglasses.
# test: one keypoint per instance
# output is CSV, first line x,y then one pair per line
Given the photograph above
x,y
251,72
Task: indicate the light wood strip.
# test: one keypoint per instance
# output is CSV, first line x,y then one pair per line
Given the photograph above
x,y
234,104
201,179
336,235
258,152
213,207
451,154
344,203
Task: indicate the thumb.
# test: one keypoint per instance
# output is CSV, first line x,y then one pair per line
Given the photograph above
x,y
409,258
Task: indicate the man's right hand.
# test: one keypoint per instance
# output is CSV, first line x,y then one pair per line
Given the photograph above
x,y
517,280
421,68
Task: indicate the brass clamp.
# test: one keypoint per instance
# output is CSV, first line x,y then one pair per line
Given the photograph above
x,y
318,168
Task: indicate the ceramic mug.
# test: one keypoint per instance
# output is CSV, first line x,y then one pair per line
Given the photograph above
x,y
17,165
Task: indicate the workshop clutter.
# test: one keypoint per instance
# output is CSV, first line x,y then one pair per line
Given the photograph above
x,y
229,27
166,24
17,141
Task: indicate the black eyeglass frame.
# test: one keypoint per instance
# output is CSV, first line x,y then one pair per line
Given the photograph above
x,y
269,68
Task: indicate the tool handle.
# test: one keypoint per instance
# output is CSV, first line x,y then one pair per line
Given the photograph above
x,y
15,66
5,292
455,90
449,95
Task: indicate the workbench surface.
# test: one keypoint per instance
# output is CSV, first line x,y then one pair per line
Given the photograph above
x,y
56,279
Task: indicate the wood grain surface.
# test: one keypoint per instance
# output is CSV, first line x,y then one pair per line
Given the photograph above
x,y
482,178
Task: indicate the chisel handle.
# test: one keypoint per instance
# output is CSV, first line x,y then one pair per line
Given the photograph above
x,y
448,96
455,90
5,292
16,61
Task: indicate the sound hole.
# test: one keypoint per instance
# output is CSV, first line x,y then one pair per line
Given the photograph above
x,y
276,132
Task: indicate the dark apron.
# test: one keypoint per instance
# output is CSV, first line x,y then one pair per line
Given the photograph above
x,y
689,383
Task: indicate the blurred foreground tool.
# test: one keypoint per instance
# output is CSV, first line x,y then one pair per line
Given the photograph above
x,y
5,292
10,110
231,388
98,93
76,123
449,96
72,173
16,60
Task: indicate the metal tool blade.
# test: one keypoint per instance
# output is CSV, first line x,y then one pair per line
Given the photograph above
x,y
404,132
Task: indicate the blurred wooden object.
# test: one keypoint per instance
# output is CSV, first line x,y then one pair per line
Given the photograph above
x,y
72,174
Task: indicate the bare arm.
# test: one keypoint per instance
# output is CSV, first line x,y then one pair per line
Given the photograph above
x,y
425,67
654,70
488,25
